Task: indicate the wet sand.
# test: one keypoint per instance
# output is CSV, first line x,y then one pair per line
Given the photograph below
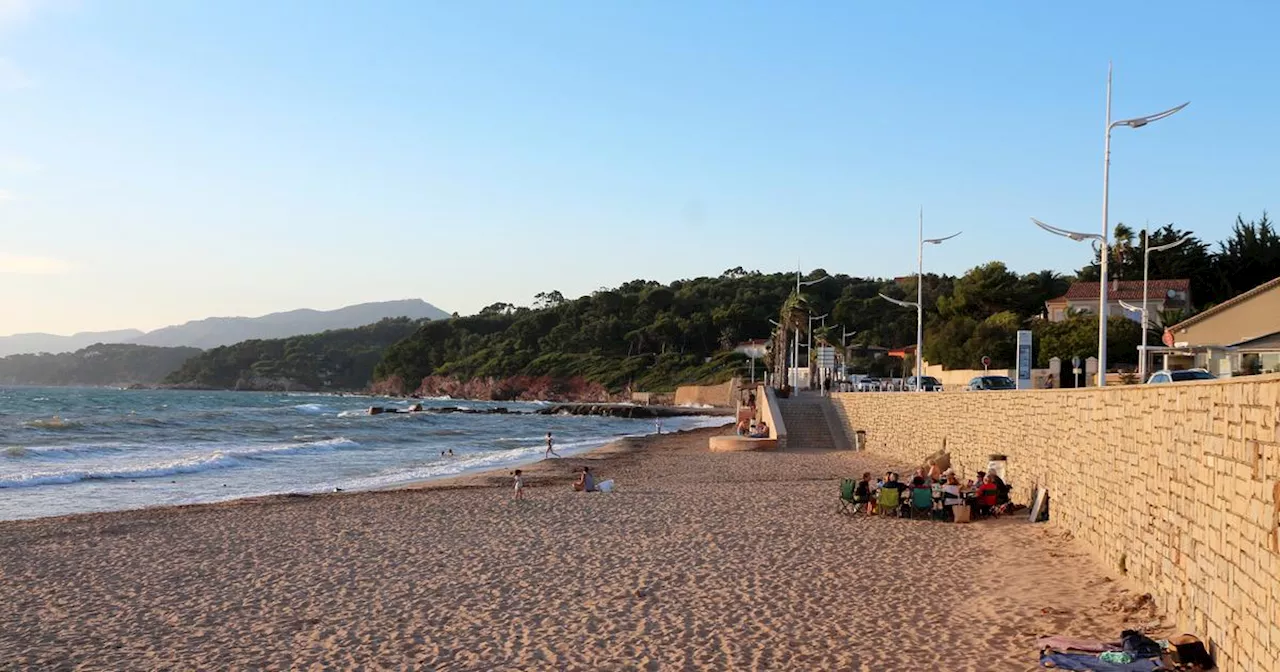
x,y
699,561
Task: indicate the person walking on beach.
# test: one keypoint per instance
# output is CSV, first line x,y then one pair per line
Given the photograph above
x,y
550,448
518,480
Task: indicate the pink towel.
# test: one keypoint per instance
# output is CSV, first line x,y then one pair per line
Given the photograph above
x,y
1073,644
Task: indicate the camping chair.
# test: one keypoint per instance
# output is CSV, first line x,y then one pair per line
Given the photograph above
x,y
887,500
921,502
847,505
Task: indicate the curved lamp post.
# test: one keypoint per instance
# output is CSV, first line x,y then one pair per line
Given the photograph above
x,y
918,304
1136,122
792,375
1146,264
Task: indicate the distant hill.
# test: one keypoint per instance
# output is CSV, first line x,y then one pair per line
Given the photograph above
x,y
31,343
217,331
100,364
339,359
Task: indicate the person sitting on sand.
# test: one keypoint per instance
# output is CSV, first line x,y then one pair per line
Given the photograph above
x,y
951,496
987,492
762,431
586,482
863,492
744,427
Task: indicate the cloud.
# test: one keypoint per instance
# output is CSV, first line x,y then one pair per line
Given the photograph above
x,y
24,265
11,76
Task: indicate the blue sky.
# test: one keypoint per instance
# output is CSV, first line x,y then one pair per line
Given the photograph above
x,y
167,161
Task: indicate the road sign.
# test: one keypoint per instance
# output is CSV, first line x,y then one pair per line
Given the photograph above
x,y
826,357
986,361
1075,362
1024,359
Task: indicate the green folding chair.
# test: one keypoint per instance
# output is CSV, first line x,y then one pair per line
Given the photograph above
x,y
921,502
847,505
887,500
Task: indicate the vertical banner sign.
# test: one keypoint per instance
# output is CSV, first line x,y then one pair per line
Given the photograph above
x,y
1024,360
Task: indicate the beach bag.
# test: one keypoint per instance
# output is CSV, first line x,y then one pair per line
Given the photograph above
x,y
961,512
605,486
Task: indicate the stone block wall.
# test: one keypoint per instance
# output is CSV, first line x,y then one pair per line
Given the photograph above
x,y
719,396
1177,486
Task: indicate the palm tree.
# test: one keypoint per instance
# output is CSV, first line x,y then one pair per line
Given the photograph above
x,y
793,316
1122,251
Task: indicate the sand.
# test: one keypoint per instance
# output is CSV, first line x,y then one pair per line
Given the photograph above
x,y
699,561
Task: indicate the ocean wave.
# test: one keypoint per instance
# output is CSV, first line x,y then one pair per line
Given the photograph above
x,y
312,409
72,450
221,459
187,466
52,423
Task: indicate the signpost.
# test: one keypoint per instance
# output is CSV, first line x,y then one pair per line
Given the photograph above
x,y
1075,368
1024,359
986,363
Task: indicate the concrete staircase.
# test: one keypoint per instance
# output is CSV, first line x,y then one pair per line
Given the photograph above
x,y
809,423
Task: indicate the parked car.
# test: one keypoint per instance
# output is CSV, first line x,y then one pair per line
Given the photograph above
x,y
868,384
992,383
928,383
1179,376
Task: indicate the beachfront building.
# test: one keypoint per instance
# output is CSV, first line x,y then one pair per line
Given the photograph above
x,y
1083,297
1240,336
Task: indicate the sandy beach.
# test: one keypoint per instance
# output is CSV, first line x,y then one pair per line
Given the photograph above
x,y
699,561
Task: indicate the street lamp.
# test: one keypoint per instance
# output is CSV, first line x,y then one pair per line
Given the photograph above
x,y
809,348
793,376
919,302
1136,122
1146,264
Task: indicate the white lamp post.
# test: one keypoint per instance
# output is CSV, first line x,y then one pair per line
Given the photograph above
x,y
1136,122
795,346
918,304
1146,264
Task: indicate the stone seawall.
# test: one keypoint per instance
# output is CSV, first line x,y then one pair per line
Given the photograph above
x,y
1177,486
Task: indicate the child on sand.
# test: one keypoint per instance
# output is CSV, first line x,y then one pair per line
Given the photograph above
x,y
550,451
519,484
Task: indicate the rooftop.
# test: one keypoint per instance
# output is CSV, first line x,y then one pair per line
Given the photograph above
x,y
1125,290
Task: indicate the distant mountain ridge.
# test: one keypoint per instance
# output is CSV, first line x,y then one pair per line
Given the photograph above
x,y
216,331
22,344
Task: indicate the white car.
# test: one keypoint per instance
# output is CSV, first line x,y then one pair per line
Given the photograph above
x,y
868,384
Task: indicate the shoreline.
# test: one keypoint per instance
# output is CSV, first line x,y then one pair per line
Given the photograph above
x,y
539,472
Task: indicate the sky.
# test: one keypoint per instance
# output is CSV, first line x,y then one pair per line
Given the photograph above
x,y
168,161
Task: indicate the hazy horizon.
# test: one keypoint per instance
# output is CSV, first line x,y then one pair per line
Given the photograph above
x,y
168,162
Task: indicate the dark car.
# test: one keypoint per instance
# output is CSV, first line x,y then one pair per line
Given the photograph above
x,y
992,383
1180,376
927,383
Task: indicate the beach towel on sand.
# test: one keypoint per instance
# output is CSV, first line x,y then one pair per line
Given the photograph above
x,y
1090,662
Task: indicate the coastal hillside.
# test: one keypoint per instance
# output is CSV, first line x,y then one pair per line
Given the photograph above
x,y
643,335
215,331
100,364
338,359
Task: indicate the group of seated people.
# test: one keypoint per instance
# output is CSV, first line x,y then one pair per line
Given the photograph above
x,y
941,492
753,429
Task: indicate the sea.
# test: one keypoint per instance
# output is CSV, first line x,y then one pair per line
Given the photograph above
x,y
76,450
